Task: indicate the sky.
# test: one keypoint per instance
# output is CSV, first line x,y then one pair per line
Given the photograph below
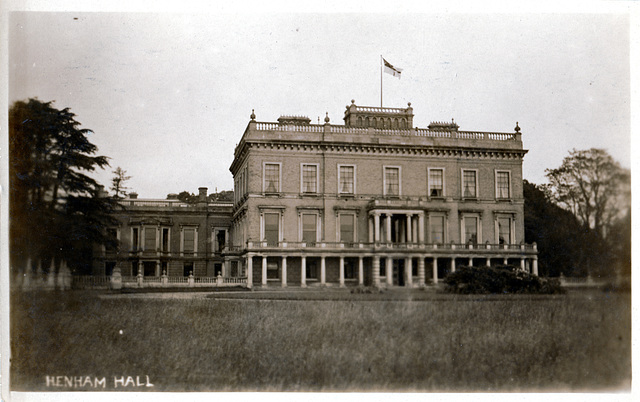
x,y
169,95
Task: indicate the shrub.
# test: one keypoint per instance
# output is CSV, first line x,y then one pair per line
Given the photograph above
x,y
500,279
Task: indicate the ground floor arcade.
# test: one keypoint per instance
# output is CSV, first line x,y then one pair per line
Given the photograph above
x,y
379,269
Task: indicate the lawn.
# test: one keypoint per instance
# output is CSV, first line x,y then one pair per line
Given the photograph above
x,y
407,340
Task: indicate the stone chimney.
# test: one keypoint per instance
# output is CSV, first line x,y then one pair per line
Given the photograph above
x,y
133,196
202,196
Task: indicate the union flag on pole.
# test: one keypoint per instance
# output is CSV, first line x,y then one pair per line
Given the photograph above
x,y
390,69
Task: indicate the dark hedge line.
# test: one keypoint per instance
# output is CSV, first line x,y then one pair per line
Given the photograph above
x,y
499,279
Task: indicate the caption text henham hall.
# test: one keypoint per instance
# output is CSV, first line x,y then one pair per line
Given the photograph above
x,y
64,381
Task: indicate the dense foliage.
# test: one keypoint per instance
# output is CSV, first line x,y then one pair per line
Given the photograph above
x,y
55,210
565,245
500,279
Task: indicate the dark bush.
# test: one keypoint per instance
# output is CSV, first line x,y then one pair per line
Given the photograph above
x,y
500,279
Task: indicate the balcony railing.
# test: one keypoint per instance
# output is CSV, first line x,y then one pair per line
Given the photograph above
x,y
418,132
511,248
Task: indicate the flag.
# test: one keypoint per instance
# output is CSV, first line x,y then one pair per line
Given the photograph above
x,y
389,69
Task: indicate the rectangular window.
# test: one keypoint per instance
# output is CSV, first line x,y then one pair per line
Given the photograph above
x,y
187,269
469,184
309,179
189,240
149,268
220,241
347,223
471,230
165,240
346,184
437,229
271,178
502,185
272,228
504,230
436,183
309,225
134,239
392,181
150,239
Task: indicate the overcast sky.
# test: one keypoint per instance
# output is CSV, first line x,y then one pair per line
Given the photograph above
x,y
169,95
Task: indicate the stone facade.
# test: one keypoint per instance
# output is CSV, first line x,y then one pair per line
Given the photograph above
x,y
168,236
374,201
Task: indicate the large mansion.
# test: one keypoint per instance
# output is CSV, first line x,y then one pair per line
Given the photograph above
x,y
373,201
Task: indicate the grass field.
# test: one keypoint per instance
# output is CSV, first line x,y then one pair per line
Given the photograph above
x,y
408,340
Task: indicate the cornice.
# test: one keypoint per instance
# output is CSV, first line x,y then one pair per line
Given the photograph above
x,y
386,149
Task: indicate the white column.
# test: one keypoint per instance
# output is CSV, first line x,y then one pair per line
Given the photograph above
x,y
341,271
323,270
388,272
453,264
249,271
522,264
376,227
488,262
421,227
375,271
421,273
535,266
409,230
284,271
505,261
408,269
360,271
387,227
414,225
264,271
303,272
435,269
371,230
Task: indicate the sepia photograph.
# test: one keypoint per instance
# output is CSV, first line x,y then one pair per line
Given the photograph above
x,y
378,201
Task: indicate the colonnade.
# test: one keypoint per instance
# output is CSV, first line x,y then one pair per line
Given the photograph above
x,y
375,268
409,229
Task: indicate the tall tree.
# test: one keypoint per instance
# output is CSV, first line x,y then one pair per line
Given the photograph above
x,y
565,245
56,211
593,186
118,183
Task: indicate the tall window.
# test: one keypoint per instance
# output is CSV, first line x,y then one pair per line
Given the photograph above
x,y
469,184
134,239
272,228
504,230
502,185
165,240
309,228
346,184
437,229
189,240
436,183
392,180
471,230
309,178
347,224
150,238
271,178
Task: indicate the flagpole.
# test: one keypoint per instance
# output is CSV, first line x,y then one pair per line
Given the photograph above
x,y
380,80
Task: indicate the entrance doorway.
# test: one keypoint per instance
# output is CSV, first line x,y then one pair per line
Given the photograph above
x,y
398,272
